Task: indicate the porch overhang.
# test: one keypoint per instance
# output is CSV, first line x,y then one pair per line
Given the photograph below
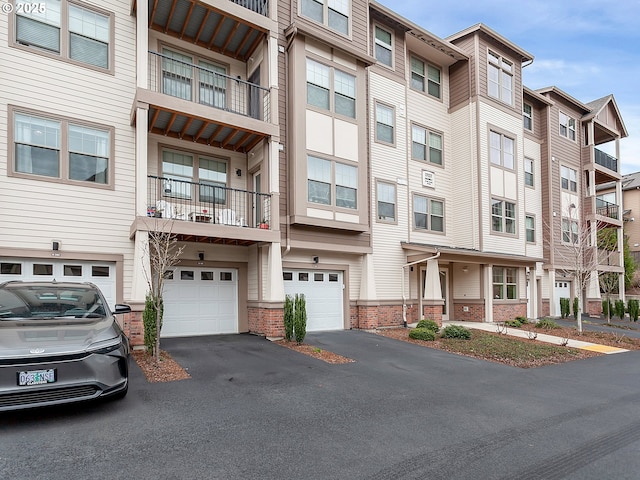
x,y
466,255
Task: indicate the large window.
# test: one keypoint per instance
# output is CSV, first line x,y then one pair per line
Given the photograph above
x,y
505,285
183,170
386,195
426,145
527,116
530,228
39,149
384,123
528,172
332,13
569,231
569,179
500,73
501,150
425,77
319,89
428,214
503,216
84,36
567,126
206,82
383,46
324,177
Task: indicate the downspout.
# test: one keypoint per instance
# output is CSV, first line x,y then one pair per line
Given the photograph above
x,y
288,149
404,298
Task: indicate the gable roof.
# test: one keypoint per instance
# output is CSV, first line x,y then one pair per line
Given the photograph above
x,y
481,27
565,96
600,104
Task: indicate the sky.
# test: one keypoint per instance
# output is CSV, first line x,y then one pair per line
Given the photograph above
x,y
589,49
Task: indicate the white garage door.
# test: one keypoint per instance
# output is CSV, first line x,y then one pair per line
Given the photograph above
x,y
102,274
200,301
323,293
563,290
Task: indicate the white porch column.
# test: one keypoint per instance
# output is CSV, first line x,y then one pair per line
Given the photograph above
x,y
142,115
552,294
141,268
368,281
274,291
432,290
487,279
593,286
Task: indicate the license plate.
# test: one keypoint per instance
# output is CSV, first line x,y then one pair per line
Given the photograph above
x,y
36,377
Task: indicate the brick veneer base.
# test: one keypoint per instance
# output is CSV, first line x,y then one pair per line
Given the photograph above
x,y
502,313
133,328
594,308
432,312
266,321
475,312
546,308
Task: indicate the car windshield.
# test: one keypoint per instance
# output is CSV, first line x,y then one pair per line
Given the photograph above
x,y
28,301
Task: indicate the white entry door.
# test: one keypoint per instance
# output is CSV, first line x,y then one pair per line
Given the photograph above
x,y
562,290
200,301
323,292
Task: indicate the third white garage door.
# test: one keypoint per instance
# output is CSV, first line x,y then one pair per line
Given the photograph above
x,y
323,292
200,301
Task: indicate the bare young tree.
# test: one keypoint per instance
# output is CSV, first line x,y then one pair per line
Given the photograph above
x,y
579,256
608,284
164,254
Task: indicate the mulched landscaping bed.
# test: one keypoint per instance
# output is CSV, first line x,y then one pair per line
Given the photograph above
x,y
168,370
315,352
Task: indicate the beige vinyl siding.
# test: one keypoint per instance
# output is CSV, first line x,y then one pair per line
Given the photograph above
x,y
82,218
533,198
462,166
252,272
494,118
388,164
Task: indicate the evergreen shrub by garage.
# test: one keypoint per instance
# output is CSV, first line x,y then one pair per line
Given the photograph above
x,y
300,318
634,307
422,334
288,318
149,322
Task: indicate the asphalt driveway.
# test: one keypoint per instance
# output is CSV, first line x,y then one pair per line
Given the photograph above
x,y
256,410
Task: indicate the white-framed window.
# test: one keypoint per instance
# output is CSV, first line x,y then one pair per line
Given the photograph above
x,y
425,77
39,150
84,36
568,179
503,216
528,172
332,13
428,214
426,145
184,171
327,179
505,283
386,200
205,83
527,116
383,50
570,231
567,126
501,150
500,72
319,81
385,123
530,228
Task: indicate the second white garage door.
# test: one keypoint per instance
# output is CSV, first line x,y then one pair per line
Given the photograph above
x,y
323,292
200,301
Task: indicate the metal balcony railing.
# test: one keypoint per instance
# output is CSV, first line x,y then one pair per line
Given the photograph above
x,y
205,85
607,209
207,203
606,160
608,257
258,6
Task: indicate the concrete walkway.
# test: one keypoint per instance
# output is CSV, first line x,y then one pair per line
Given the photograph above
x,y
543,337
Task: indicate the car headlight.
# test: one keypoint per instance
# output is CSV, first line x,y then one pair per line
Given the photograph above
x,y
105,347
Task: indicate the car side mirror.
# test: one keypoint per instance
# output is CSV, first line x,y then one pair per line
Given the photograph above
x,y
122,308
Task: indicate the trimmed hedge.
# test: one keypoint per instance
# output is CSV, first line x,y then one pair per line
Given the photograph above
x,y
456,331
422,334
429,325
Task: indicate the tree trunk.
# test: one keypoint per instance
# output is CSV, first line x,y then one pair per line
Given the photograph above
x,y
157,347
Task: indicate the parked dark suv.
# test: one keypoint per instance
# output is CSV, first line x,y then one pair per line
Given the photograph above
x,y
59,343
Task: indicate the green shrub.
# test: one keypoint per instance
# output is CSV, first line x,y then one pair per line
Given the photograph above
x,y
429,325
634,308
619,309
513,323
564,307
576,308
607,308
522,320
547,324
456,331
422,334
300,318
288,317
149,322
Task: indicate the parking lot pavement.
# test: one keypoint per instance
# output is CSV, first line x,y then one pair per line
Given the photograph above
x,y
256,410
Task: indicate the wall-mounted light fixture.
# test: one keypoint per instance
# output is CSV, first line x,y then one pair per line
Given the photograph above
x,y
201,256
238,172
465,269
55,246
316,260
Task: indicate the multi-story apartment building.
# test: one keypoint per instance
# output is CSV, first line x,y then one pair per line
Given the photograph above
x,y
331,148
